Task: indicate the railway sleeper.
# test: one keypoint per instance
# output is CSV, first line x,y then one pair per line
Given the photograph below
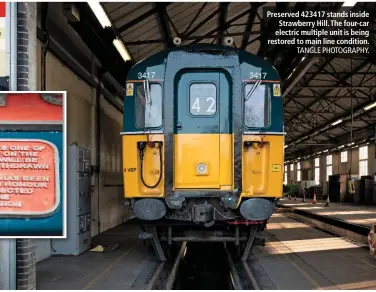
x,y
165,241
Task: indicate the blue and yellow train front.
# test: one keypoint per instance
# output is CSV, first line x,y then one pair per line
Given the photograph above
x,y
203,137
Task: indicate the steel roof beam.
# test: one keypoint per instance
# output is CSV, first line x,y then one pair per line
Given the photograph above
x,y
348,85
195,18
248,28
358,111
328,91
360,136
270,30
318,112
201,23
223,9
164,25
138,19
334,87
229,22
306,81
186,38
295,77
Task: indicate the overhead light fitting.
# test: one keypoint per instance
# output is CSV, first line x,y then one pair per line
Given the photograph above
x,y
349,3
337,122
368,107
286,146
101,15
121,49
326,150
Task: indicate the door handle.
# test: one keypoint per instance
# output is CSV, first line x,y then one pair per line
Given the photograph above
x,y
179,126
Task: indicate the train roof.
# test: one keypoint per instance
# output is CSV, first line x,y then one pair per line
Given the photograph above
x,y
213,49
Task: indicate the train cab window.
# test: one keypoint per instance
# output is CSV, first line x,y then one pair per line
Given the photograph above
x,y
203,99
149,106
256,105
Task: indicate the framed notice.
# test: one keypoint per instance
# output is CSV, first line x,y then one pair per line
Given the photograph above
x,y
33,164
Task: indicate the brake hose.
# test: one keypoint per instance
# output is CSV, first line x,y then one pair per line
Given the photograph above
x,y
141,147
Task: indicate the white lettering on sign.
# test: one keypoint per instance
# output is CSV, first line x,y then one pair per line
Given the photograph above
x,y
14,204
23,166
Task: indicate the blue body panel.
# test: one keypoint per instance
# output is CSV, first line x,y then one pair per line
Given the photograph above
x,y
48,226
245,61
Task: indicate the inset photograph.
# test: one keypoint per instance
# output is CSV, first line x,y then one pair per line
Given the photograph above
x,y
32,164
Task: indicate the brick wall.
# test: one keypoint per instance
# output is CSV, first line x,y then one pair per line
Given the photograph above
x,y
26,261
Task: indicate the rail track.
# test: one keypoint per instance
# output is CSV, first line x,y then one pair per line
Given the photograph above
x,y
165,274
240,276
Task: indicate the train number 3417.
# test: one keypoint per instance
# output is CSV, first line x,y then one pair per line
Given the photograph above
x,y
145,75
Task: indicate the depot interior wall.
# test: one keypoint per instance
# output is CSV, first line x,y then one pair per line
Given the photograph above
x,y
338,167
107,196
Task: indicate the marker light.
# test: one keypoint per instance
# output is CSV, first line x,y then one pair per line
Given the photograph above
x,y
122,50
337,122
99,12
370,106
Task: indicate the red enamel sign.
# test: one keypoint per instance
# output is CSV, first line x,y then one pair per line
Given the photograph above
x,y
28,177
37,108
2,9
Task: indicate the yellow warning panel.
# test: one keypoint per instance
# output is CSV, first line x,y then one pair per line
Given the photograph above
x,y
276,89
130,89
276,167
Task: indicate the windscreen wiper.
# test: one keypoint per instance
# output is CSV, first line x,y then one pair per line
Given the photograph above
x,y
253,89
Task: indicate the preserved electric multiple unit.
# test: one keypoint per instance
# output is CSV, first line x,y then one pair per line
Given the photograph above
x,y
203,144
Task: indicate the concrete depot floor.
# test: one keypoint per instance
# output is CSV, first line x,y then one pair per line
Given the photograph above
x,y
129,267
297,256
351,213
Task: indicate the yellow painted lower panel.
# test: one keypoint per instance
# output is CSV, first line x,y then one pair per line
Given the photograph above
x,y
133,186
263,166
190,150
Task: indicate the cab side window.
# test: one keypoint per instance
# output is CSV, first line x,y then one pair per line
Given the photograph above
x,y
149,106
256,105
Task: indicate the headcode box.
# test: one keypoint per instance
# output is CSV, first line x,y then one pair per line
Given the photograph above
x,y
32,200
